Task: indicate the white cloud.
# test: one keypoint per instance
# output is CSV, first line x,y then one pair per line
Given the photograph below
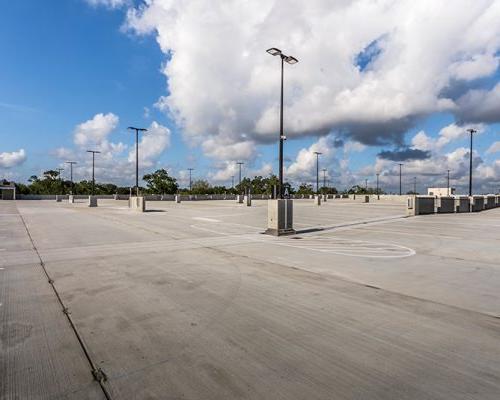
x,y
478,66
446,135
112,164
494,148
151,145
224,87
304,167
216,148
12,159
95,131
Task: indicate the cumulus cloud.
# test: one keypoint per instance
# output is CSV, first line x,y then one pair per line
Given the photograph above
x,y
12,159
151,145
370,84
494,148
404,154
446,135
303,168
95,132
113,164
480,105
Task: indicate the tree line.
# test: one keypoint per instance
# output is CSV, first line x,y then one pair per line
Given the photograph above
x,y
160,182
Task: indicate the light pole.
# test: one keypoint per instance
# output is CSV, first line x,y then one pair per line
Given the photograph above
x,y
59,172
240,164
94,152
317,170
400,192
71,170
324,178
377,182
137,130
471,131
290,60
190,181
448,182
232,181
366,185
414,185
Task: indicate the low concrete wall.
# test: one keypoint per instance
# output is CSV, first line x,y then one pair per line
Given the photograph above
x,y
137,204
420,205
92,202
489,202
462,204
476,203
445,205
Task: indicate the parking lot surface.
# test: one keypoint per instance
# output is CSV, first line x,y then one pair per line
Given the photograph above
x,y
193,301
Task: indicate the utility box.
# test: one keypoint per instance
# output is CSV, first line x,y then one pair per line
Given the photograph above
x,y
177,198
366,199
248,200
445,205
137,203
462,204
58,198
317,200
476,203
489,202
92,201
280,217
239,199
420,205
71,199
8,192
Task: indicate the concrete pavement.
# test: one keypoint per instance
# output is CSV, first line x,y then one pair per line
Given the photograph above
x,y
191,301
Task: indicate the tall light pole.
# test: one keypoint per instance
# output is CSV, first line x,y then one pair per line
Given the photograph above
x,y
414,185
448,182
471,131
71,170
59,172
290,60
190,181
400,191
324,178
94,152
232,181
377,182
137,130
239,180
317,170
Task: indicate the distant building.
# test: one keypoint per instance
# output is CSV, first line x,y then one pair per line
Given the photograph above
x,y
8,192
440,191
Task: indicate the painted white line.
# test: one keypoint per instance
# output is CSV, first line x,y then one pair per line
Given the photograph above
x,y
206,219
2,268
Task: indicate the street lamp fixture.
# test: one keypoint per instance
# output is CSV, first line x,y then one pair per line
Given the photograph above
x,y
317,170
471,131
190,180
94,152
289,60
137,130
400,166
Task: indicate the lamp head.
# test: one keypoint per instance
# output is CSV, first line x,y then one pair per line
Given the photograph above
x,y
274,51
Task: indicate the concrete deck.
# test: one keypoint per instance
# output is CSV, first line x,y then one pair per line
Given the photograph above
x,y
191,301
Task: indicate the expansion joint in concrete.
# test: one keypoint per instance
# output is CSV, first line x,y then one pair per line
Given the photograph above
x,y
97,373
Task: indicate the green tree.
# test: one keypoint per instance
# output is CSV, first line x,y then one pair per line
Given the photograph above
x,y
305,188
160,182
201,186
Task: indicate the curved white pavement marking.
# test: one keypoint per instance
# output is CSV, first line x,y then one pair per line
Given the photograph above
x,y
348,247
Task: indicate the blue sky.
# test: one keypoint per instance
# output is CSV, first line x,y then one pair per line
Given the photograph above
x,y
66,61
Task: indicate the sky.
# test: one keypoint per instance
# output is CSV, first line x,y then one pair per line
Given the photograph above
x,y
378,83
